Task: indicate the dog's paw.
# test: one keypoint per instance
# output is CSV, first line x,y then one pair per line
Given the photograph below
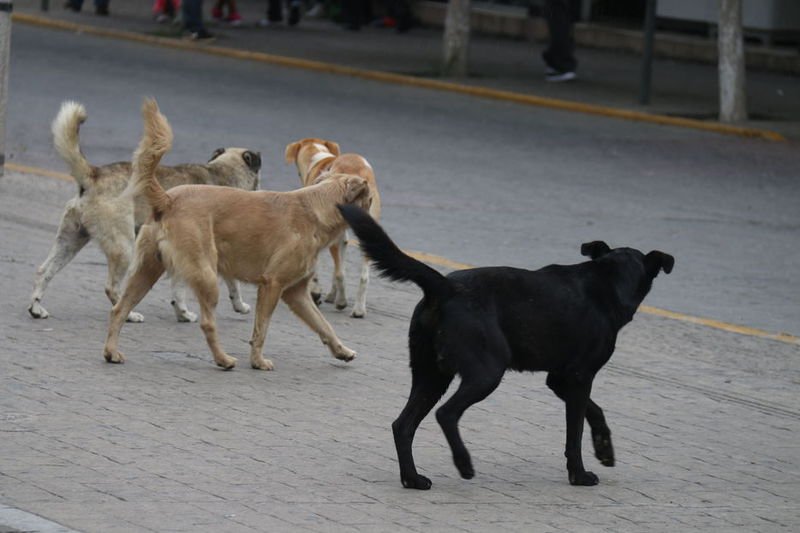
x,y
186,316
262,364
331,297
358,313
136,318
464,466
226,362
317,297
241,307
115,356
583,479
603,449
37,311
416,482
345,354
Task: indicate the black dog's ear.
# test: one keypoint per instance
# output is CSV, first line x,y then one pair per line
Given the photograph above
x,y
218,152
594,249
252,160
655,261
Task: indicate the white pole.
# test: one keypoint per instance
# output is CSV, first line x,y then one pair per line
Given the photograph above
x,y
5,47
732,92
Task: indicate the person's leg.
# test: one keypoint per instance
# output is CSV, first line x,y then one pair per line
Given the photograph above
x,y
192,11
275,10
559,55
351,16
233,17
101,7
294,12
73,5
216,11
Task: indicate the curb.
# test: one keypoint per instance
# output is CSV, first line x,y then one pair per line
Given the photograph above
x,y
400,79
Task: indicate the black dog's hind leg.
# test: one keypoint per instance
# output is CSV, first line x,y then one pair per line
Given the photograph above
x,y
575,393
427,386
601,434
476,384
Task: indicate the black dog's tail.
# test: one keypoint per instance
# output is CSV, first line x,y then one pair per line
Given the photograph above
x,y
389,259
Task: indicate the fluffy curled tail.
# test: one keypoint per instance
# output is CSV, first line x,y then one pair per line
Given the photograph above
x,y
389,259
66,127
156,141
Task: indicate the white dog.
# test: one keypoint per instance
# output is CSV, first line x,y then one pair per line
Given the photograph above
x,y
107,210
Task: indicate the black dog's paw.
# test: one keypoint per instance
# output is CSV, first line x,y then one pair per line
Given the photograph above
x,y
603,449
416,482
464,465
583,479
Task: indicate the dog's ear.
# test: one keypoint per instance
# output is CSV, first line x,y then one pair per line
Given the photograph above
x,y
656,261
333,147
291,151
218,152
252,160
594,249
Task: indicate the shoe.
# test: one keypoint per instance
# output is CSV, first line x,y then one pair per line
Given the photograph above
x,y
264,23
162,18
72,7
556,76
234,19
101,11
294,13
216,13
316,11
202,35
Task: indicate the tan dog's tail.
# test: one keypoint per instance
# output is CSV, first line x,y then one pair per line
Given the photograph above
x,y
156,141
65,128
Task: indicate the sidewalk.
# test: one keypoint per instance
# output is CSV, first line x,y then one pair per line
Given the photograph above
x,y
607,78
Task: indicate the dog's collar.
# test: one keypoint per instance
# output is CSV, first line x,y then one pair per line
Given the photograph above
x,y
318,158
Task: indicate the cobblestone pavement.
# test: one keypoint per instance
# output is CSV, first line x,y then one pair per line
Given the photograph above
x,y
705,422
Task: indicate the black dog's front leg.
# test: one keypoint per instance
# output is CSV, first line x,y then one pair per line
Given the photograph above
x,y
601,435
575,393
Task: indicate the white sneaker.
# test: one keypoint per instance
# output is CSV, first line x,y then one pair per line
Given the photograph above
x,y
316,11
555,76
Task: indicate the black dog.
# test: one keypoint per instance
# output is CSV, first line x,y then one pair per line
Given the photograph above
x,y
480,322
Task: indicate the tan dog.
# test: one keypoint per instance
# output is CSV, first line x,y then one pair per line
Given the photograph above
x,y
268,238
315,159
107,210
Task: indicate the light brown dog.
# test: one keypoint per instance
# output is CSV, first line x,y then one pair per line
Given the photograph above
x,y
316,159
107,210
268,238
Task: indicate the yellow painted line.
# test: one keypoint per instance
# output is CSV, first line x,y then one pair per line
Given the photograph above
x,y
38,171
388,77
438,260
725,326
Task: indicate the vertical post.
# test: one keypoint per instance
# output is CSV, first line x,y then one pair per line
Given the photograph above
x,y
732,101
5,48
456,38
647,52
